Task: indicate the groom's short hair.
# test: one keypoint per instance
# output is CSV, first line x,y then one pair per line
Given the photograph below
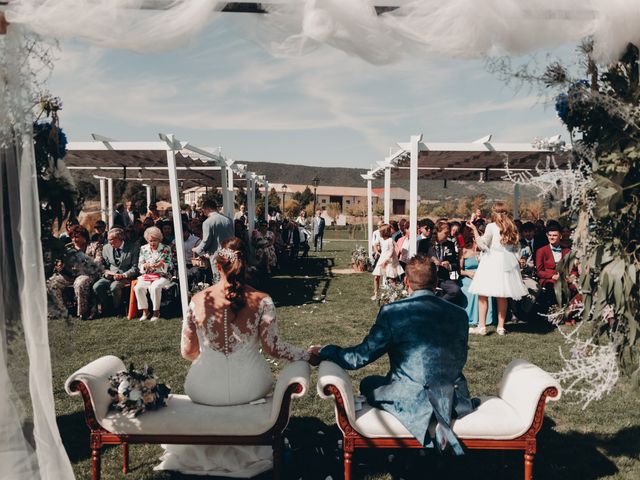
x,y
421,273
210,204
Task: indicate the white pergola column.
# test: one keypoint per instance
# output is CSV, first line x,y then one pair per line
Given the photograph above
x,y
413,194
266,201
148,187
369,213
177,223
226,208
110,201
516,201
251,202
103,199
231,193
387,193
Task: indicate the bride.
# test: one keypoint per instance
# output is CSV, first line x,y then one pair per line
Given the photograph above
x,y
226,326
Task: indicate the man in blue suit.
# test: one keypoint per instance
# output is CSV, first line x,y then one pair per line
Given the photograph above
x,y
426,340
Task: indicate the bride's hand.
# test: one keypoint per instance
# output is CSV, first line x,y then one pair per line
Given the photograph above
x,y
314,355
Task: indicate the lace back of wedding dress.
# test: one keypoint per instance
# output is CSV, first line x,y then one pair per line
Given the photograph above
x,y
223,331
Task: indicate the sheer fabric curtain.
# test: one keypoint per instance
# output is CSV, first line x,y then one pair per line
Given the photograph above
x,y
30,445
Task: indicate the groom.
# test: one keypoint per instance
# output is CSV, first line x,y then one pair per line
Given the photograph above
x,y
426,340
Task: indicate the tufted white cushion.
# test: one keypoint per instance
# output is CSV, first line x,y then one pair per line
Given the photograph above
x,y
497,418
181,415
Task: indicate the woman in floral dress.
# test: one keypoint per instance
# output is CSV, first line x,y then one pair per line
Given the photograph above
x,y
155,266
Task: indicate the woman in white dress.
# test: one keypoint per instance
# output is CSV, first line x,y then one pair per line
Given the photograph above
x,y
388,265
227,325
498,274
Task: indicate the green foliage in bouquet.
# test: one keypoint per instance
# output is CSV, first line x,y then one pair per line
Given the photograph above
x,y
136,391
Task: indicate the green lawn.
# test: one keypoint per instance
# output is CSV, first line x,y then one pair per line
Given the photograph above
x,y
319,306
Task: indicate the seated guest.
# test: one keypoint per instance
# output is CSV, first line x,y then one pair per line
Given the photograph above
x,y
76,269
443,253
100,231
155,267
528,248
425,231
168,235
120,260
455,235
426,340
529,239
66,235
547,259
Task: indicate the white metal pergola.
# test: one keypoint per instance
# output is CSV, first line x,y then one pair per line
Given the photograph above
x,y
456,161
109,158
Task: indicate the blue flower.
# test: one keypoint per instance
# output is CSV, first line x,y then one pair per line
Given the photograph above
x,y
562,106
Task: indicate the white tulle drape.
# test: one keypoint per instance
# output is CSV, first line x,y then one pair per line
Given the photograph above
x,y
451,28
446,28
30,444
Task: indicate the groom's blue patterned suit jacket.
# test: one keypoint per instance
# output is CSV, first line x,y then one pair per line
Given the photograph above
x,y
426,340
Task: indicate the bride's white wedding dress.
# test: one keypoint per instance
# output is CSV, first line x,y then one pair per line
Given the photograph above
x,y
229,370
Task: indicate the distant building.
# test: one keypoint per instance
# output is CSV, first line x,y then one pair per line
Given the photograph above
x,y
347,197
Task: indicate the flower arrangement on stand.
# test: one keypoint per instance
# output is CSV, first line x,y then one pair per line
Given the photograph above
x,y
136,391
359,259
392,292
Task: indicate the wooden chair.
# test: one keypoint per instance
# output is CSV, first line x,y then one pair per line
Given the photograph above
x,y
509,421
182,421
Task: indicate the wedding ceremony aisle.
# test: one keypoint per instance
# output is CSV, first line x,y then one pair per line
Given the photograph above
x,y
318,303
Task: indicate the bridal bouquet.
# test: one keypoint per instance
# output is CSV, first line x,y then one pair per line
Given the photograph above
x,y
392,292
136,391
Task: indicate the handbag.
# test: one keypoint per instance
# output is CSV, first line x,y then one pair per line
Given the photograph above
x,y
150,277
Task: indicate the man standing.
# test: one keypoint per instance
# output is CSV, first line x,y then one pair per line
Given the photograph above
x,y
547,259
120,260
318,230
130,214
443,253
216,229
425,231
426,340
242,214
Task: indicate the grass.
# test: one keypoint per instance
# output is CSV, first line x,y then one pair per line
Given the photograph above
x,y
317,306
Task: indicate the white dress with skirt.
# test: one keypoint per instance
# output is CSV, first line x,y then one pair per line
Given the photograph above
x,y
498,274
230,370
388,254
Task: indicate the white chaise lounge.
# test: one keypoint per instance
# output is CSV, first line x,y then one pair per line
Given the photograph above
x,y
182,421
509,421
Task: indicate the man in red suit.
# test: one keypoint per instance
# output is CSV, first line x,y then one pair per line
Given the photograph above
x,y
547,259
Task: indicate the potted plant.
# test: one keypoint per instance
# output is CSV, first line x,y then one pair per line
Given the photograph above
x,y
359,259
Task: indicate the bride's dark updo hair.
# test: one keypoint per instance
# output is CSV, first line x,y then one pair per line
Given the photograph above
x,y
233,263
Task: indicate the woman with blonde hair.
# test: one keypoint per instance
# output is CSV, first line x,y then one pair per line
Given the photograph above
x,y
498,274
155,267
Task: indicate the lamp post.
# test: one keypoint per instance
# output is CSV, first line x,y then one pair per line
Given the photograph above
x,y
316,182
284,194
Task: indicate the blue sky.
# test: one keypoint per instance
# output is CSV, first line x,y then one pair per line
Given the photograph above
x,y
326,108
